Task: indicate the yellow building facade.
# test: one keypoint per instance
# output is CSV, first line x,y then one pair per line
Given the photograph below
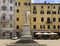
x,y
44,17
47,17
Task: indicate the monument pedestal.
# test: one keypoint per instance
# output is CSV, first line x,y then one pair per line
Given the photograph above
x,y
26,35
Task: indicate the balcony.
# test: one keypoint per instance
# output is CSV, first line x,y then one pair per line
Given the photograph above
x,y
4,21
7,29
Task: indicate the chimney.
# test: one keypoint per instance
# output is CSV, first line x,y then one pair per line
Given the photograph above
x,y
45,2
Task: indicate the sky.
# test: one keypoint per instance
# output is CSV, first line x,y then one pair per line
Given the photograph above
x,y
48,1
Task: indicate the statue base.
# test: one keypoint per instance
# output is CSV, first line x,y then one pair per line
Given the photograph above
x,y
26,34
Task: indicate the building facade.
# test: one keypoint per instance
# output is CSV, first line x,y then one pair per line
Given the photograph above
x,y
44,17
7,18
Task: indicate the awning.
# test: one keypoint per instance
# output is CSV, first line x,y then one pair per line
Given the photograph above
x,y
38,33
46,33
53,33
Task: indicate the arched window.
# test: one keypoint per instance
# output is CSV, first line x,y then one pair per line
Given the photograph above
x,y
34,19
54,19
17,27
34,26
3,16
42,19
48,20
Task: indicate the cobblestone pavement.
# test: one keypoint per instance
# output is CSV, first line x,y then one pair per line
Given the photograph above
x,y
3,42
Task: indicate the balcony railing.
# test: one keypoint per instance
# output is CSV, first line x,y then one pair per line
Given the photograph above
x,y
4,20
7,29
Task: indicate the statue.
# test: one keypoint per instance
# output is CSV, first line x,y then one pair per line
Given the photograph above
x,y
27,14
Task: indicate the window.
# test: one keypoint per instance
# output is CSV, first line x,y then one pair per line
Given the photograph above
x,y
48,26
42,26
58,26
4,1
17,34
11,1
48,12
3,17
34,19
41,7
54,27
34,26
10,8
48,20
3,33
3,8
10,17
17,19
10,34
17,27
34,7
58,19
53,12
58,12
10,25
27,3
42,12
58,8
34,12
53,7
48,7
17,3
54,19
42,19
17,10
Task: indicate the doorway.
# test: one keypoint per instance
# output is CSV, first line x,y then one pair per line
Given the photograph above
x,y
17,34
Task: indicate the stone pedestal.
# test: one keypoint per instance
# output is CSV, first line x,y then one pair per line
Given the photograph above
x,y
26,35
